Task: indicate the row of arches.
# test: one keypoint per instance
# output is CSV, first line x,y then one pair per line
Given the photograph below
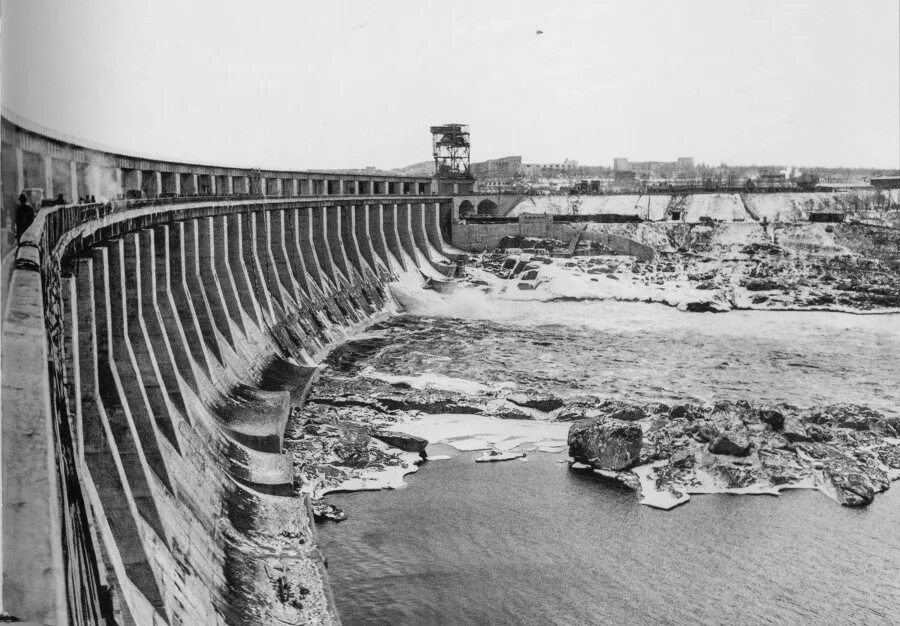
x,y
486,207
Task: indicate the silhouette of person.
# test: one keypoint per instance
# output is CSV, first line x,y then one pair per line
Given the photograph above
x,y
24,216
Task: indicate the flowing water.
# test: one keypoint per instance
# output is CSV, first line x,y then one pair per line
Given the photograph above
x,y
537,543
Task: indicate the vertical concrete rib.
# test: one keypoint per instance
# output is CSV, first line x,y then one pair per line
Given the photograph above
x,y
421,237
307,325
237,260
263,241
295,255
336,244
195,289
392,237
299,250
364,236
377,220
353,253
206,262
182,302
274,315
251,345
101,454
133,398
322,247
137,446
153,324
404,231
370,289
254,269
139,344
306,225
284,268
221,264
433,228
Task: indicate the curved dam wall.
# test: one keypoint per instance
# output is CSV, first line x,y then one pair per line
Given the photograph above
x,y
151,357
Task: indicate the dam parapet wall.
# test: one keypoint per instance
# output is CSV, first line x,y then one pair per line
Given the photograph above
x,y
151,356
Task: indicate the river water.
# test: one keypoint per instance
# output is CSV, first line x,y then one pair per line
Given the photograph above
x,y
536,543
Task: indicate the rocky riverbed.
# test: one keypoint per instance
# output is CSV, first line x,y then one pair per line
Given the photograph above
x,y
350,436
718,268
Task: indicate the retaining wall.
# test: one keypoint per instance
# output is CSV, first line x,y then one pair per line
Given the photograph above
x,y
480,237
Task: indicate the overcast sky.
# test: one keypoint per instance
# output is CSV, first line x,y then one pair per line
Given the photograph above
x,y
349,84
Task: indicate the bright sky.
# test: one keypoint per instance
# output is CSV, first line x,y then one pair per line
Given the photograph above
x,y
347,84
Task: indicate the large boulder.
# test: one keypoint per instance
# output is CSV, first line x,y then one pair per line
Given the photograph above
x,y
605,444
853,488
688,412
703,431
506,410
772,416
731,442
794,430
613,409
407,443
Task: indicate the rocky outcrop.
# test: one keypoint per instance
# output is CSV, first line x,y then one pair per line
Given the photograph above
x,y
847,451
543,403
402,441
607,444
731,442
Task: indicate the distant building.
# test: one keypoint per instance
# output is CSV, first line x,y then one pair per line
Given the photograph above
x,y
536,170
885,182
655,169
685,165
503,168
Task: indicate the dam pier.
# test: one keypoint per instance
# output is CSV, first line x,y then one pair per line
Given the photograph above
x,y
153,350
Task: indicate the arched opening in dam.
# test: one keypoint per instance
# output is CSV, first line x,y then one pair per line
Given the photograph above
x,y
487,208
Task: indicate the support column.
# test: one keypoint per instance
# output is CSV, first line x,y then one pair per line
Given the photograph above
x,y
73,176
20,171
230,184
213,190
48,177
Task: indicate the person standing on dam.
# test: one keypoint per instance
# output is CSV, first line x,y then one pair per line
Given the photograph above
x,y
24,216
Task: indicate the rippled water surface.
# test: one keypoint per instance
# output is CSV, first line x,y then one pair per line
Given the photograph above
x,y
534,543
654,353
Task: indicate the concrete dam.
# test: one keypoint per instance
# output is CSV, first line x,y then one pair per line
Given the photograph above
x,y
152,353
